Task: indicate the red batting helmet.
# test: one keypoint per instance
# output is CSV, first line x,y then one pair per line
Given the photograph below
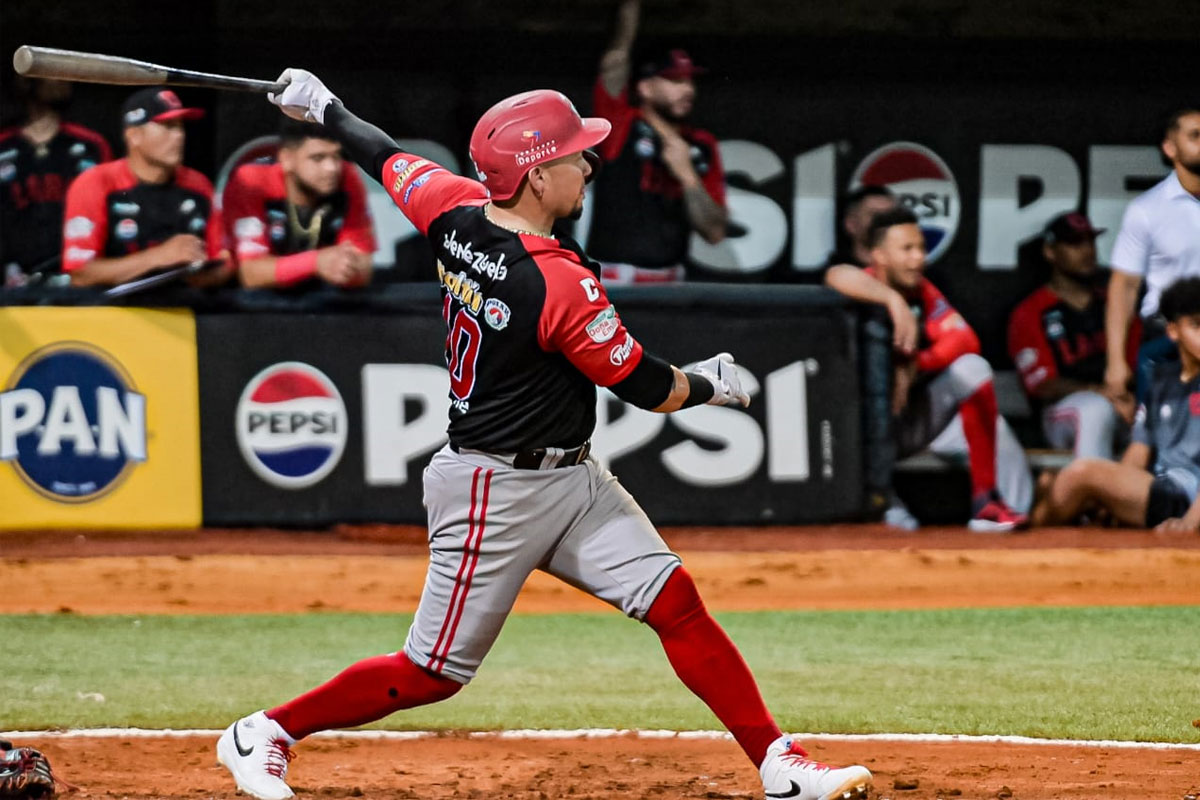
x,y
525,130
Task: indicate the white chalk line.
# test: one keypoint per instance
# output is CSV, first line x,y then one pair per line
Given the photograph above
x,y
609,733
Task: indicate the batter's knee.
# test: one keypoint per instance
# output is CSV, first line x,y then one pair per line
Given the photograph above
x,y
969,372
678,602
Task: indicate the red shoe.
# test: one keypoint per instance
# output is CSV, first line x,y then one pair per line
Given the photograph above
x,y
996,517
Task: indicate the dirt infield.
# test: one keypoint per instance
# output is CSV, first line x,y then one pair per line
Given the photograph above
x,y
381,568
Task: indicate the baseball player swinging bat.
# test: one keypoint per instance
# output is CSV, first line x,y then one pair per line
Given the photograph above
x,y
69,65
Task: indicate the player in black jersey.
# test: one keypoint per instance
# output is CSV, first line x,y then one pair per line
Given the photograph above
x,y
38,161
530,335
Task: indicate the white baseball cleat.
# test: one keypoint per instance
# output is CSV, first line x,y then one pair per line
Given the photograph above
x,y
255,751
788,772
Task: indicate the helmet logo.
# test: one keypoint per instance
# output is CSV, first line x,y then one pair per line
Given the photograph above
x,y
532,137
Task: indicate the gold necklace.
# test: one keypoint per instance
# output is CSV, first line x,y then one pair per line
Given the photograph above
x,y
488,216
313,231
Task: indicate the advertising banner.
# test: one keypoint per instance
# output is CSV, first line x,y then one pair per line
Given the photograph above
x,y
320,419
98,418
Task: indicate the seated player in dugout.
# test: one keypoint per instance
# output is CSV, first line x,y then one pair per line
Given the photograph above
x,y
861,206
302,219
1156,483
943,398
146,211
1056,340
662,178
38,160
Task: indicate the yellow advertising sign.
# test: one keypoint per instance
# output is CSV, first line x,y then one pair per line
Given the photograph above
x,y
99,418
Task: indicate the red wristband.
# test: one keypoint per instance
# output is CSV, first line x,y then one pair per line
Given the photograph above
x,y
295,268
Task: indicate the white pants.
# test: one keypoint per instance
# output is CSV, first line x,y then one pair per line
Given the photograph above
x,y
1085,422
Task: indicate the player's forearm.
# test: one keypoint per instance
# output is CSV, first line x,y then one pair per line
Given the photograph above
x,y
1118,313
111,271
257,273
705,215
950,346
615,63
1137,455
368,145
655,385
856,284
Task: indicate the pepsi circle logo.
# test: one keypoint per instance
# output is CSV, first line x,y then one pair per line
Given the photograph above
x,y
921,182
71,422
291,425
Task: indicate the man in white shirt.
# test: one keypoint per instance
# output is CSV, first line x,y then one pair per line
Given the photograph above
x,y
1159,242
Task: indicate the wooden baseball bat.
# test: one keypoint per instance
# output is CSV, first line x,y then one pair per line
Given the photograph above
x,y
69,65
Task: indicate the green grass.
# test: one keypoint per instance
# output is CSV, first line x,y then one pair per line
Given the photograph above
x,y
1093,673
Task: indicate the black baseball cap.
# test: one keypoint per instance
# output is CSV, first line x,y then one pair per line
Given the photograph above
x,y
675,65
155,104
1070,228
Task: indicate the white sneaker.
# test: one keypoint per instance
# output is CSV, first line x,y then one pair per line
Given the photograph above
x,y
788,772
255,751
897,515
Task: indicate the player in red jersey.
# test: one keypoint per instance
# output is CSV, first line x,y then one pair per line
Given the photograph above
x,y
943,395
145,211
38,161
530,335
662,177
303,217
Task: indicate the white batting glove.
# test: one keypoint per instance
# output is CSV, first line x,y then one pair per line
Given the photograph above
x,y
304,98
722,373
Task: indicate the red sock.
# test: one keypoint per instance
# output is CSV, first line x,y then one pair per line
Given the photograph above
x,y
362,693
710,665
979,427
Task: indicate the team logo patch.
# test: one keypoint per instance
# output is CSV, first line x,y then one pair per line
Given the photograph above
x,y
923,183
8,171
621,352
407,173
291,425
644,147
126,209
418,183
78,227
496,313
77,149
248,228
399,164
72,423
1026,358
187,206
604,326
533,137
127,229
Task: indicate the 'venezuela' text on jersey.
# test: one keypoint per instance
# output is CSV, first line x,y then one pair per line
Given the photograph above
x,y
530,330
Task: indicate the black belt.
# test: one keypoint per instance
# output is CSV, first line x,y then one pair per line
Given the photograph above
x,y
542,457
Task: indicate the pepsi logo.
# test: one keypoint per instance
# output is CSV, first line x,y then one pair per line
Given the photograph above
x,y
72,423
922,182
291,425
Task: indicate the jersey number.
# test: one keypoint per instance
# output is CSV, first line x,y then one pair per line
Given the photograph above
x,y
462,350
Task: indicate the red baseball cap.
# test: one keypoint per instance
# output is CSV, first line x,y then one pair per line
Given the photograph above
x,y
1071,228
155,104
675,65
525,130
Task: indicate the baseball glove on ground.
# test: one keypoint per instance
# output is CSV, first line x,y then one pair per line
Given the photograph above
x,y
24,773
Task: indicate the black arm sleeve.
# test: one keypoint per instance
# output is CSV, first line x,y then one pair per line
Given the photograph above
x,y
367,145
649,385
651,382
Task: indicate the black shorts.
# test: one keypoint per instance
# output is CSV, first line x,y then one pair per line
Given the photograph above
x,y
1167,499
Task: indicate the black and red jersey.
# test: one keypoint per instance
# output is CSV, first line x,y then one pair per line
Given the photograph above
x,y
944,335
33,187
1049,338
110,213
260,221
638,213
530,330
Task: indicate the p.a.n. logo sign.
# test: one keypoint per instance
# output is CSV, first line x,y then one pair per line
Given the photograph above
x,y
921,182
72,423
